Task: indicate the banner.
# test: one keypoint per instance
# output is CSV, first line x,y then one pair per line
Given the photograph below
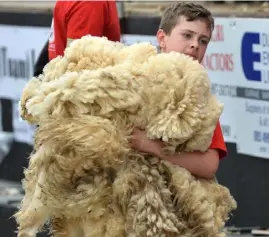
x,y
19,48
237,61
252,38
221,65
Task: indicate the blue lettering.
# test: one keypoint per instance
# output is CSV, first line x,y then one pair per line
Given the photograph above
x,y
257,136
263,149
266,137
248,57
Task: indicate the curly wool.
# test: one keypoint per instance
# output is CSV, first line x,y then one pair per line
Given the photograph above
x,y
82,174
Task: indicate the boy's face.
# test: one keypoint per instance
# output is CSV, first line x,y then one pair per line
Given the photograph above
x,y
188,37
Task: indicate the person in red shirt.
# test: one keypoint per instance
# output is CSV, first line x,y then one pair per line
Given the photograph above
x,y
74,19
186,28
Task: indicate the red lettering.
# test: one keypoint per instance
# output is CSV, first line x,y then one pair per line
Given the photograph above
x,y
218,34
219,62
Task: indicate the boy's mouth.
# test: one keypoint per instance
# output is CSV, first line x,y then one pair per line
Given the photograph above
x,y
192,55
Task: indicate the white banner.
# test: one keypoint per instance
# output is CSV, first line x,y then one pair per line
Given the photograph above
x,y
252,38
237,61
19,49
221,66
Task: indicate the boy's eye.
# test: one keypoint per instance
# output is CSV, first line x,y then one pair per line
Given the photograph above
x,y
204,41
187,35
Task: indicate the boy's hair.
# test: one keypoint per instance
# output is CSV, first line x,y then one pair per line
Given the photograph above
x,y
191,11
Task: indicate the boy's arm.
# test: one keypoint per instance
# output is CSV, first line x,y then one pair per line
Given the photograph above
x,y
200,164
204,165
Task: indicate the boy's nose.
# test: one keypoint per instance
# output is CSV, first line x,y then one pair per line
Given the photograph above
x,y
194,44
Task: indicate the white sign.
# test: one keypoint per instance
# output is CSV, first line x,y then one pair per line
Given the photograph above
x,y
252,38
19,49
221,66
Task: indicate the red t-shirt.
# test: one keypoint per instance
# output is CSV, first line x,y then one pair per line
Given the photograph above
x,y
74,19
218,142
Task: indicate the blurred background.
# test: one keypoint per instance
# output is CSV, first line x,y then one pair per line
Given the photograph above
x,y
237,61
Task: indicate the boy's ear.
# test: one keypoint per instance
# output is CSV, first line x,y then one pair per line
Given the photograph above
x,y
161,38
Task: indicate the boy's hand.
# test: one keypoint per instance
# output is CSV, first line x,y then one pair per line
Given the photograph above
x,y
141,143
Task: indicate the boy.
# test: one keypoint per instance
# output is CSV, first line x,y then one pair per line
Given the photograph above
x,y
74,19
186,28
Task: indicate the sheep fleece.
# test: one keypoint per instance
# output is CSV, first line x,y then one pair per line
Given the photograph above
x,y
84,179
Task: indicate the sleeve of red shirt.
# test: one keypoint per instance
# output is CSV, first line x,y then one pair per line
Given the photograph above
x,y
218,142
112,30
98,18
86,17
